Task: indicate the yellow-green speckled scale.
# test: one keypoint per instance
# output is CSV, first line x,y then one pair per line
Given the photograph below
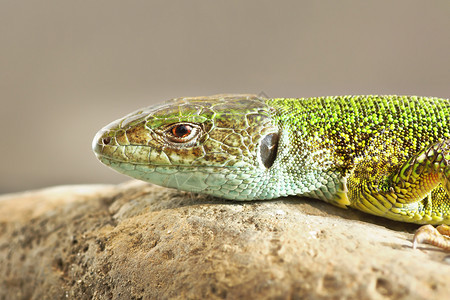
x,y
385,155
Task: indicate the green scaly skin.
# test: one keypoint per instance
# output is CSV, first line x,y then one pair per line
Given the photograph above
x,y
385,155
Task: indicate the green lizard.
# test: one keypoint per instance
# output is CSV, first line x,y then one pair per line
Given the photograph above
x,y
384,155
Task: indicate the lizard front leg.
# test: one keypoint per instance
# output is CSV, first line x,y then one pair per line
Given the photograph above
x,y
417,191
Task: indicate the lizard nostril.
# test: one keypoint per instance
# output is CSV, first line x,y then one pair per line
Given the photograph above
x,y
106,140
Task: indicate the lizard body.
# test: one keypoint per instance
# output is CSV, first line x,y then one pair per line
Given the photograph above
x,y
384,155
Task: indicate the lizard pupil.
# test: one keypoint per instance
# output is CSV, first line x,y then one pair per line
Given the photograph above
x,y
181,131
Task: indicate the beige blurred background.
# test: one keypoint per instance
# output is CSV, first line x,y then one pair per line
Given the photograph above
x,y
67,68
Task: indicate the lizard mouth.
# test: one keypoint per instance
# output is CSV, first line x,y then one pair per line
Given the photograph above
x,y
110,161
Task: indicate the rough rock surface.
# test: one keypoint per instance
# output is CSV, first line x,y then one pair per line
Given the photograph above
x,y
139,241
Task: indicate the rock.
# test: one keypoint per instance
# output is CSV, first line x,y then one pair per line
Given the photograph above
x,y
140,241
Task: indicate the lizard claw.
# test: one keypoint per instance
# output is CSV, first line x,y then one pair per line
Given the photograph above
x,y
433,236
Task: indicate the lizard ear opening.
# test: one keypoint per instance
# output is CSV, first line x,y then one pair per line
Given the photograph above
x,y
268,149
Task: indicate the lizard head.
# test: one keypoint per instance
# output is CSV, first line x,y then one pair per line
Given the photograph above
x,y
223,145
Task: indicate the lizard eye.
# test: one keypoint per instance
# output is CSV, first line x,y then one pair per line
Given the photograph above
x,y
182,132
